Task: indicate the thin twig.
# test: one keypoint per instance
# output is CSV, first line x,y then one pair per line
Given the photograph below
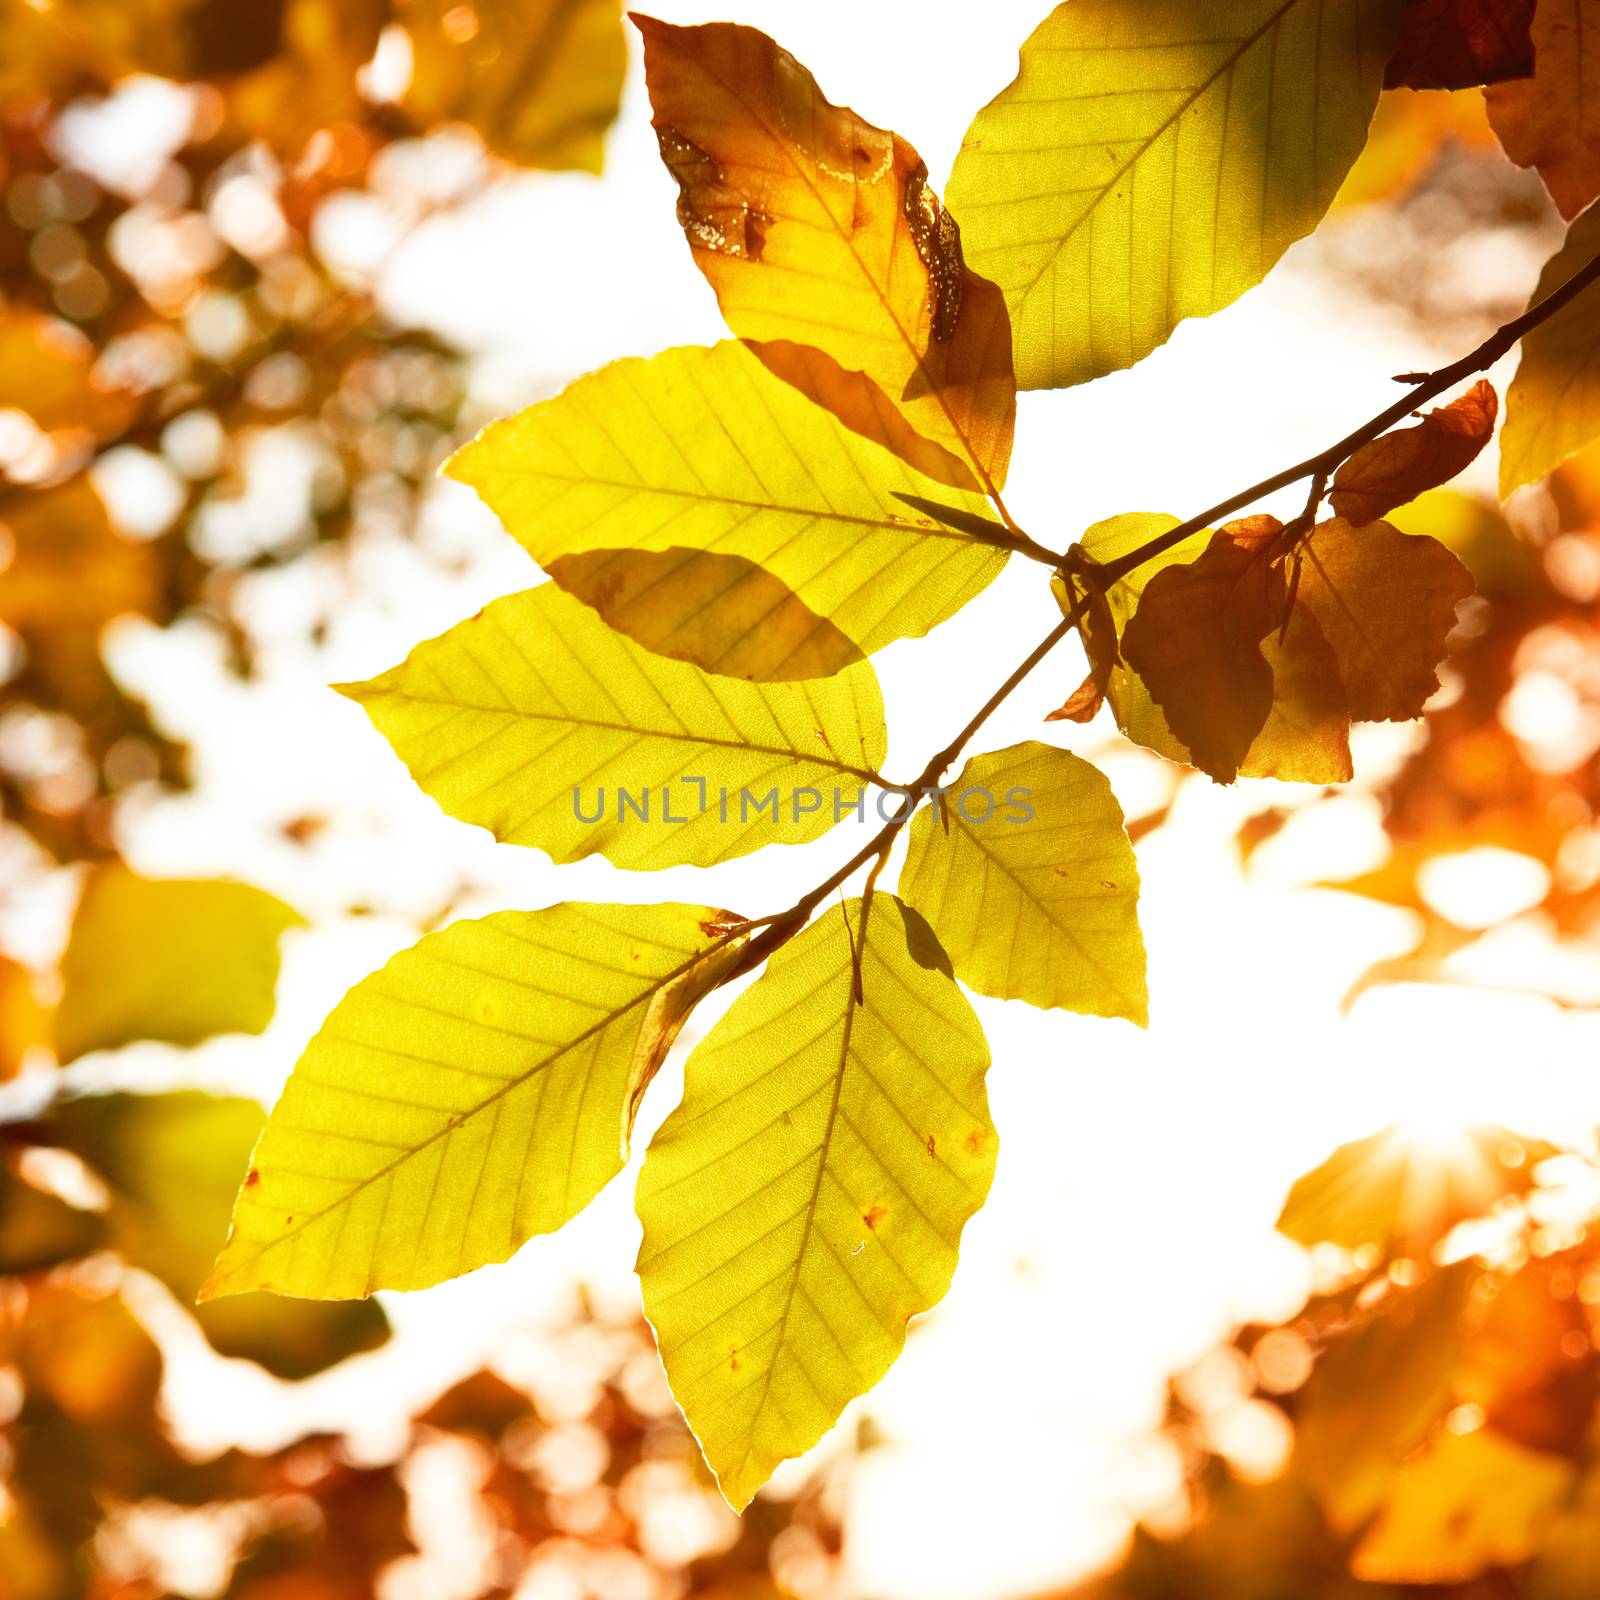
x,y
781,926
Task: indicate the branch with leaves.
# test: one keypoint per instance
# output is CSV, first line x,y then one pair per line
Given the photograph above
x,y
730,533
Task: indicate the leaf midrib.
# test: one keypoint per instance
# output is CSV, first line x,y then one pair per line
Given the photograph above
x,y
1245,46
866,774
516,1081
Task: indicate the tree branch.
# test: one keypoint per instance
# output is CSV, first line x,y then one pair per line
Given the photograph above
x,y
781,926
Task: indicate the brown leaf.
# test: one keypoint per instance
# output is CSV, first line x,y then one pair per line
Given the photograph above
x,y
1386,602
1401,465
1548,121
1460,44
1196,642
815,227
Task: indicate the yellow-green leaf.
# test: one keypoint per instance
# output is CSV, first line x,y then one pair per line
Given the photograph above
x,y
807,1198
172,959
171,1164
819,231
1153,159
539,79
1027,876
1553,404
706,450
535,720
477,1090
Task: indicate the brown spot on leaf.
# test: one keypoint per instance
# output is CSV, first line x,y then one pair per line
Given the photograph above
x,y
712,213
933,1147
252,1178
938,240
733,1358
873,1215
974,1141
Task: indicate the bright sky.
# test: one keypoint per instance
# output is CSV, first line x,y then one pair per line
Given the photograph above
x,y
1131,1221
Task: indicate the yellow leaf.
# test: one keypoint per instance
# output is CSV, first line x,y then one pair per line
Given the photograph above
x,y
1153,159
1472,1502
816,228
807,1198
1386,602
477,1090
535,720
704,450
1547,121
171,959
1553,404
539,79
1306,737
1028,879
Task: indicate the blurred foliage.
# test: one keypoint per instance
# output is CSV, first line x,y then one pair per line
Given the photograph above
x,y
596,1486
1429,1421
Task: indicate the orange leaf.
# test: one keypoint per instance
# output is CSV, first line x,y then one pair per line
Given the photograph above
x,y
1386,602
1408,462
816,228
1460,44
1548,121
1196,642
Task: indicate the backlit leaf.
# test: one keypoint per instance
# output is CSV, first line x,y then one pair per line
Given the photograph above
x,y
1471,1502
475,1091
1547,121
172,1165
172,959
1380,1390
1401,465
1459,44
816,228
539,79
807,1198
1026,874
1196,642
1306,737
1403,1189
1386,602
706,450
533,719
1153,159
1553,404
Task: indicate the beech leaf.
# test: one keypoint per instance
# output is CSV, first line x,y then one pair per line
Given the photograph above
x,y
1196,642
1386,602
1153,159
1035,898
1395,469
1548,121
706,450
1553,404
1459,44
170,959
533,719
807,1198
478,1089
816,228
